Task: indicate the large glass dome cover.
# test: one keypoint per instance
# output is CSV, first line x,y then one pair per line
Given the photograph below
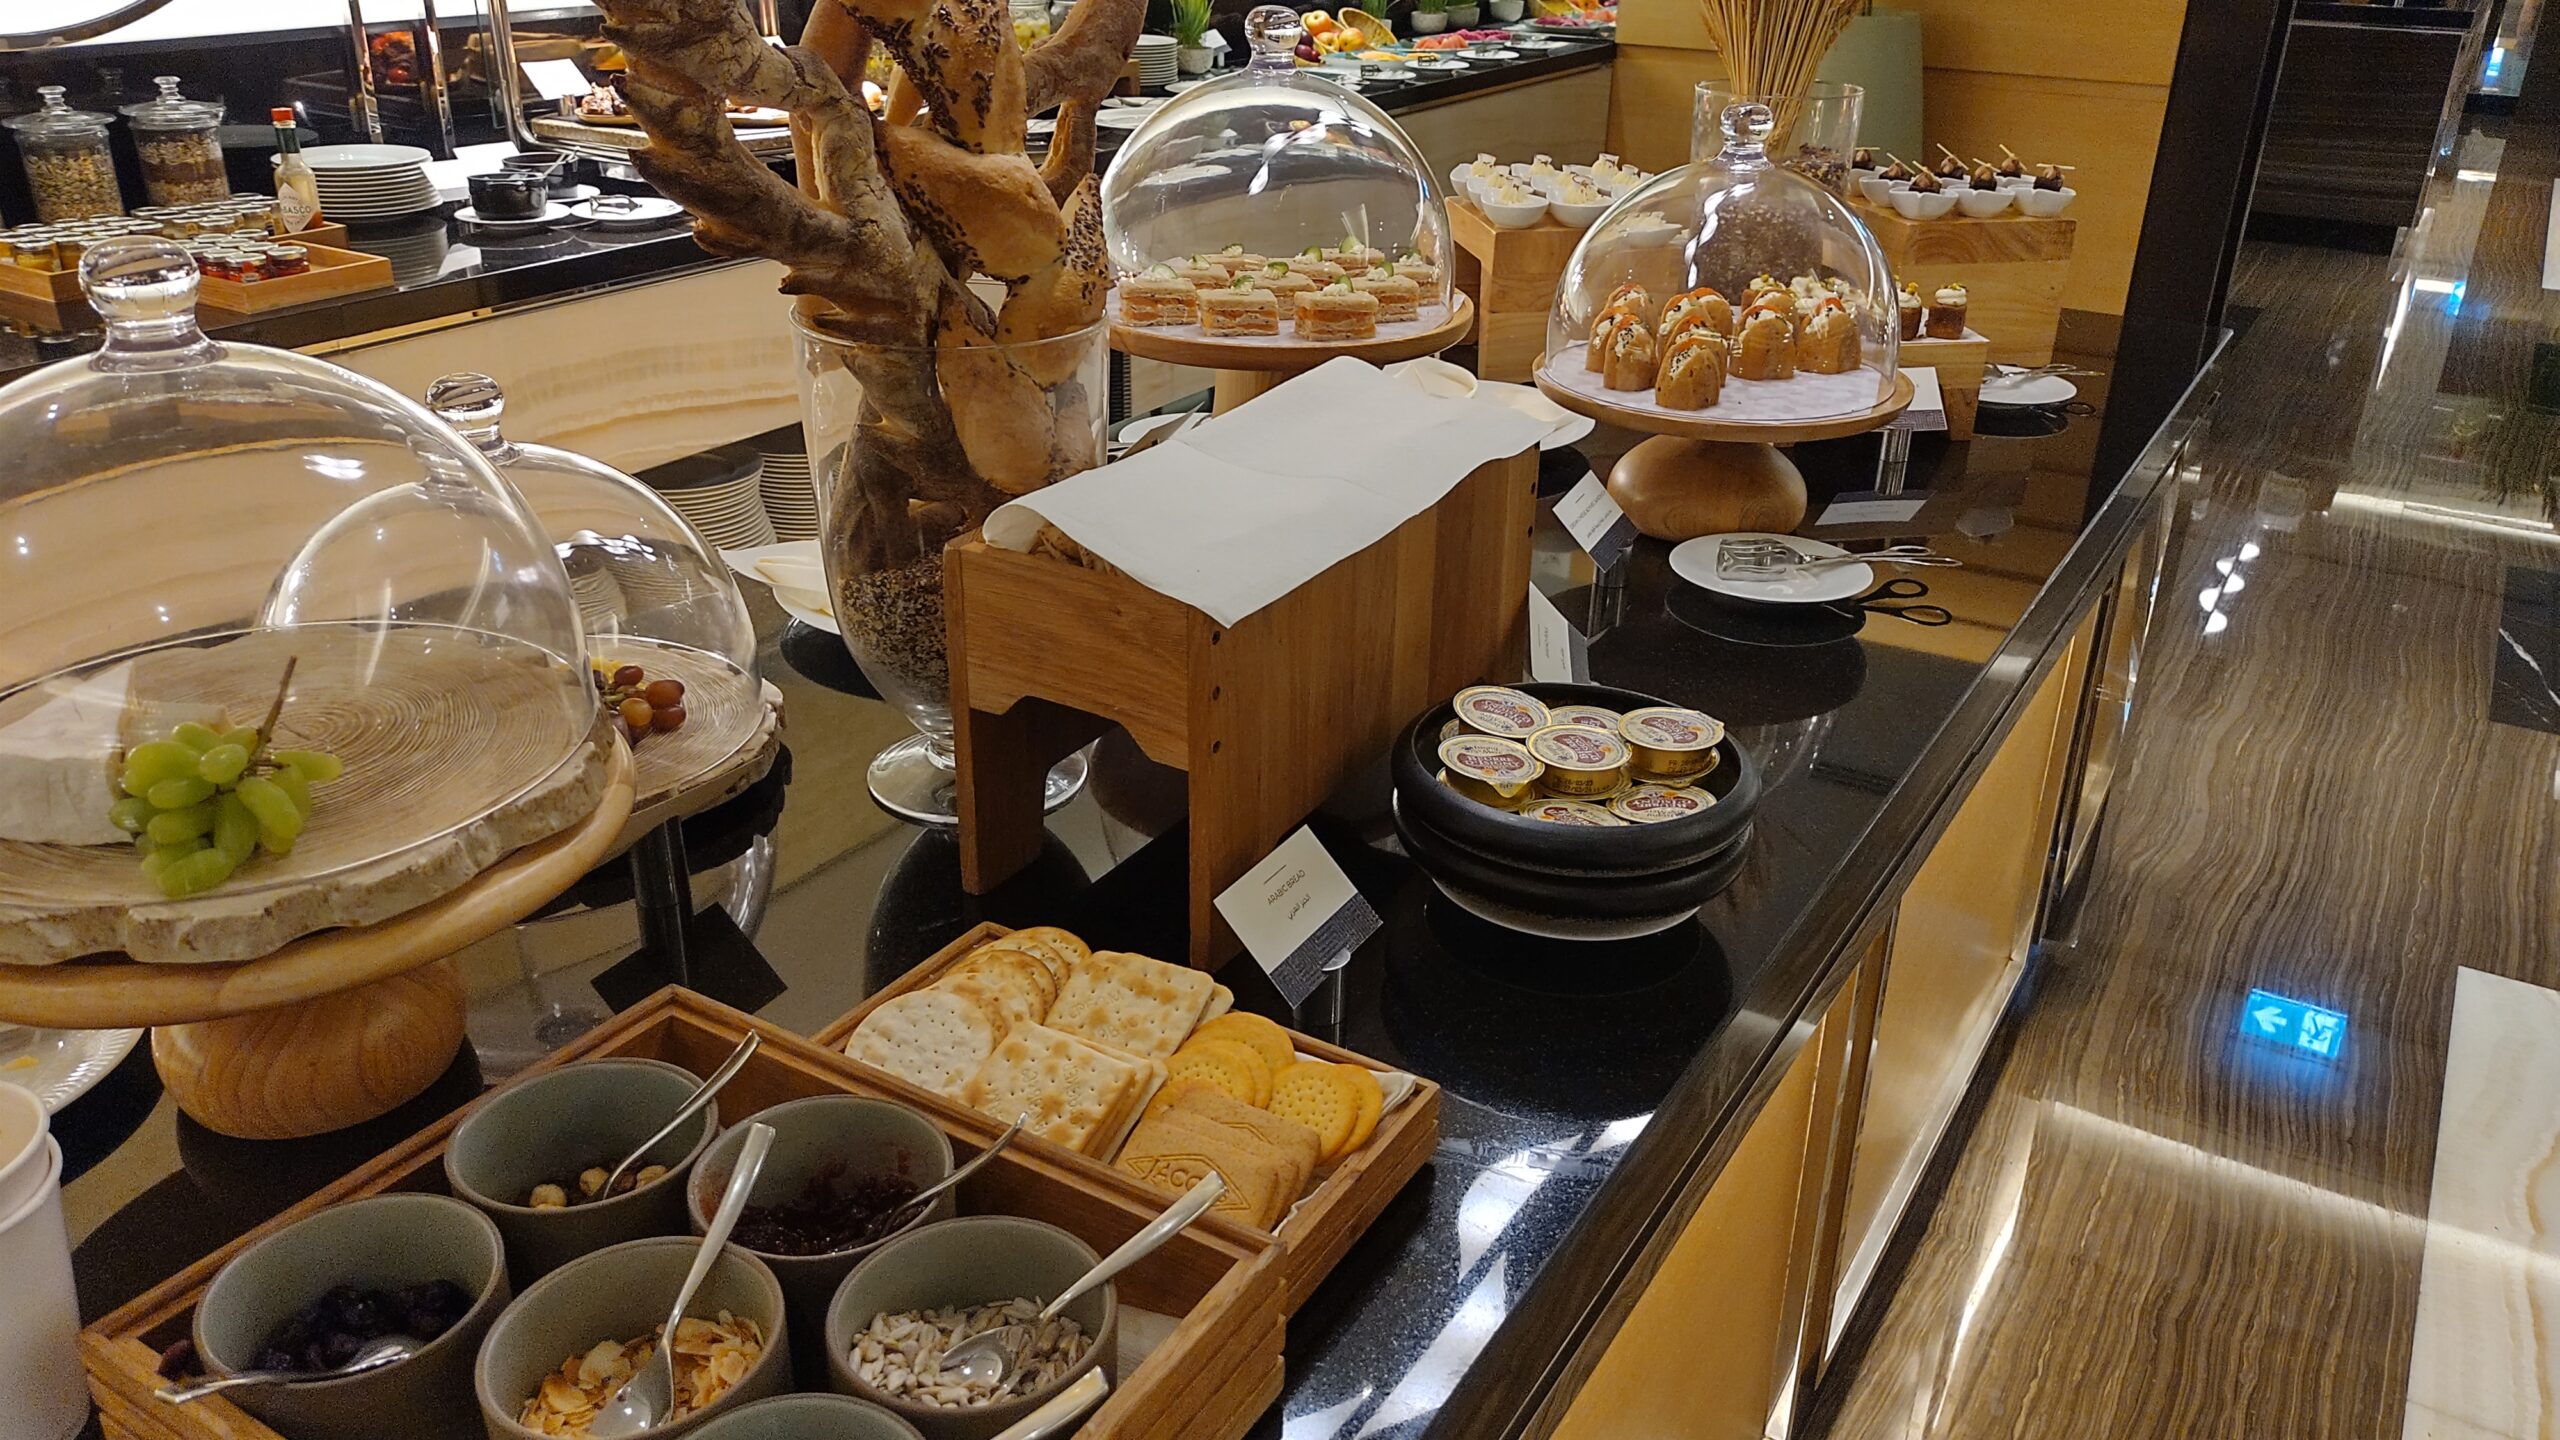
x,y
1272,159
1730,223
181,518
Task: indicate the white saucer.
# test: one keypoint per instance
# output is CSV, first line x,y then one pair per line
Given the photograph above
x,y
1695,562
647,210
59,1066
2034,390
1121,119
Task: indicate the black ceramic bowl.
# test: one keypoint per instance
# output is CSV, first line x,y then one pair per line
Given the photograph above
x,y
1572,851
1663,895
509,194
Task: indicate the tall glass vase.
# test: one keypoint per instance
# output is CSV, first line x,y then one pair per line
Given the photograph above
x,y
1816,133
899,477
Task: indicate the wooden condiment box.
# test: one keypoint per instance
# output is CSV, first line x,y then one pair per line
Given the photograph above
x,y
1210,1380
1324,1223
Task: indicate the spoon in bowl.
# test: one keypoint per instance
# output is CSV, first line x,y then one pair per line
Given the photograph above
x,y
702,1095
926,1195
990,1356
644,1401
388,1350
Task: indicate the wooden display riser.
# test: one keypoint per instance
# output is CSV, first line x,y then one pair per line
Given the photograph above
x,y
1267,716
1512,275
2013,269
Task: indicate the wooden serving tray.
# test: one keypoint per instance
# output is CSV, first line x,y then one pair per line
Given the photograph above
x,y
1210,1380
1324,1223
333,272
61,288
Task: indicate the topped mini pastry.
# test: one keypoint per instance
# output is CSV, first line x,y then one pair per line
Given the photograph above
x,y
2011,168
1984,178
1578,190
1763,287
1158,296
1239,260
1419,271
1925,183
1907,304
1281,277
1243,308
1608,171
1631,298
2049,177
1337,312
1898,170
1313,263
1543,171
1862,158
1352,255
1702,308
1507,190
1399,297
1484,168
1951,166
1202,270
1946,313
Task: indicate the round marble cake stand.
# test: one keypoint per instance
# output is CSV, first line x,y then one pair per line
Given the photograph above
x,y
1701,476
332,1029
1248,366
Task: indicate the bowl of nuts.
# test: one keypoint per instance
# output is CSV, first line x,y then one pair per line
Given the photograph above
x,y
573,1338
533,1156
927,1290
834,1187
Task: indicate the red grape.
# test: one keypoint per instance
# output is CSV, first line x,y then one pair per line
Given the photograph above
x,y
628,676
663,693
668,717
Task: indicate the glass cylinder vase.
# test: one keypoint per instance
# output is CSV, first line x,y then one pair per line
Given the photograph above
x,y
1816,132
912,447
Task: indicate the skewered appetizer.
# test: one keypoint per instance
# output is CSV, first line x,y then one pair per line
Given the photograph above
x,y
1950,166
1337,312
1898,170
1241,308
1862,158
1984,178
2049,177
1692,376
2011,168
1158,296
1766,349
1925,183
1630,363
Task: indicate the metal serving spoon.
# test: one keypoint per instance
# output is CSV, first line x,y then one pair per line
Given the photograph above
x,y
389,1350
989,1357
1062,1409
926,1195
645,1399
703,1094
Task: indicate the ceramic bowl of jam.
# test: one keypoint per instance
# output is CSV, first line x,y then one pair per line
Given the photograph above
x,y
839,1169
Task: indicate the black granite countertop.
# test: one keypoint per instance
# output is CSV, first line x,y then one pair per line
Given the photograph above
x,y
442,268
1584,1085
2395,17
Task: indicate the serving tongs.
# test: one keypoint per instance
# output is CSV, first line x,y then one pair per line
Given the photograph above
x,y
1762,558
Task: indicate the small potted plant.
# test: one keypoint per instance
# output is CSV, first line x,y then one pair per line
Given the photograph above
x,y
1191,36
1506,12
1430,17
1463,14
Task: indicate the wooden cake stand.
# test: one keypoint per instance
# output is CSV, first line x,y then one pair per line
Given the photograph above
x,y
1249,365
334,1028
1703,476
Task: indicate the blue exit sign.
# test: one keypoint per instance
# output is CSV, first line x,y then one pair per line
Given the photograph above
x,y
2294,1024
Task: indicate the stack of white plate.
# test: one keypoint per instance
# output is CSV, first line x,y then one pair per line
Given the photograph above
x,y
371,182
1157,65
719,492
790,493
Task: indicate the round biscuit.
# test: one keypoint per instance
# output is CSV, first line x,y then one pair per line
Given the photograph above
x,y
1311,1093
1229,1067
1373,1103
1263,1035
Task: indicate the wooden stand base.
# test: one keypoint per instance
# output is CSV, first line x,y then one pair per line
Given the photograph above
x,y
1265,717
1676,489
317,1066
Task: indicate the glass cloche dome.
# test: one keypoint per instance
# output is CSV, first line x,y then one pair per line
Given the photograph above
x,y
1257,168
650,590
1728,291
229,535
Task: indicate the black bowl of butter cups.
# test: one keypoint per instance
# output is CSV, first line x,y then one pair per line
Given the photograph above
x,y
1490,804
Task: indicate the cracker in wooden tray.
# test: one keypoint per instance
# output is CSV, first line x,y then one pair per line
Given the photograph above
x,y
1261,1033
1294,1142
1227,1066
1325,1098
1174,1147
1010,983
1049,945
1143,1006
1373,1104
936,1038
1068,1090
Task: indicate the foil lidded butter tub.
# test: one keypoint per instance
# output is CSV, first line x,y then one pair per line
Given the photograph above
x,y
1570,812
1580,764
1653,804
1500,711
1488,769
1587,717
1669,743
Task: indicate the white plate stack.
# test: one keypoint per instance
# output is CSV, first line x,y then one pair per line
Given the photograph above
x,y
1157,63
371,182
790,493
718,492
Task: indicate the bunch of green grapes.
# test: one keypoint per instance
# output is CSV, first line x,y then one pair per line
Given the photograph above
x,y
201,802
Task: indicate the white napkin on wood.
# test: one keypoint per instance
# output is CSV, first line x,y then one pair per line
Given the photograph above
x,y
1237,512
